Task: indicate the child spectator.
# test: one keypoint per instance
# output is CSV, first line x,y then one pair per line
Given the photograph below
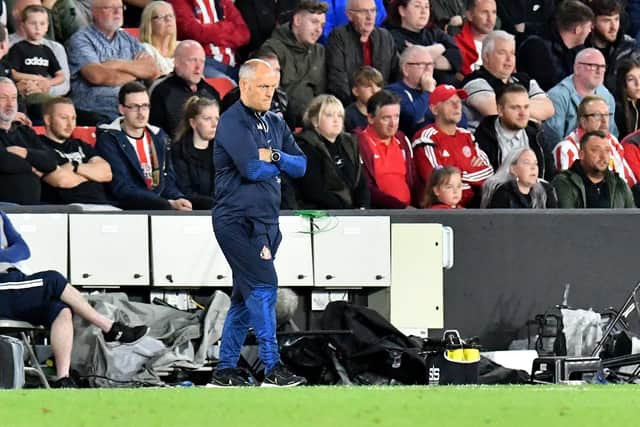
x,y
29,58
367,82
444,190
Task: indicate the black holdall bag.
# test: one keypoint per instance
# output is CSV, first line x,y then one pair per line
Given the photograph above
x,y
375,346
452,361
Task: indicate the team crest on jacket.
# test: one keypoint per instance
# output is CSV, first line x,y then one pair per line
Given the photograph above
x,y
265,253
466,151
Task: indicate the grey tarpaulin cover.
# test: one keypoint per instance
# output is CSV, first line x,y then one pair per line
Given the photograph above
x,y
176,339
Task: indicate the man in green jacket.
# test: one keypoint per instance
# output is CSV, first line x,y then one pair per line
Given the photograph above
x,y
589,183
302,60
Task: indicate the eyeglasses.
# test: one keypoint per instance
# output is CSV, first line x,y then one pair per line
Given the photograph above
x,y
421,64
599,116
593,67
364,11
166,18
113,9
138,107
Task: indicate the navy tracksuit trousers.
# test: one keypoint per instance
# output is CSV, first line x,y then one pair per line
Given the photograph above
x,y
250,248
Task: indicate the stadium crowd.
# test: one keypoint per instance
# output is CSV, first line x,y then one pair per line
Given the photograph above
x,y
395,103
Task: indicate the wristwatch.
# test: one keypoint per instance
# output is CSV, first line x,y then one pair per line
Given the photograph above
x,y
275,156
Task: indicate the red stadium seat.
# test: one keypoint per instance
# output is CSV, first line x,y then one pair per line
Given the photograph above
x,y
85,133
134,31
38,129
221,84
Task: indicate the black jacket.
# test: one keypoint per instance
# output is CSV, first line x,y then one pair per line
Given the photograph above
x,y
427,37
194,176
18,183
323,186
344,57
508,196
627,122
488,141
547,60
623,47
168,99
534,14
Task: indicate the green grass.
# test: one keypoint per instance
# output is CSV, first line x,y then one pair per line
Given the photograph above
x,y
517,406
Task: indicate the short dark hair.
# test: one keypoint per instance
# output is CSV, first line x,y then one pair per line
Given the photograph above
x,y
311,6
510,88
592,134
381,99
571,13
605,7
470,4
34,8
131,87
50,104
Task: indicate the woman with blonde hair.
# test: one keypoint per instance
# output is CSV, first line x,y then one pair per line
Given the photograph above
x,y
192,151
158,33
334,178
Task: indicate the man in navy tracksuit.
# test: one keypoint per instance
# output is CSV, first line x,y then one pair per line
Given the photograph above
x,y
253,146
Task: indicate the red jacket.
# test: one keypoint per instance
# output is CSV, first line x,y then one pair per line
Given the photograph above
x,y
380,199
432,148
219,27
467,47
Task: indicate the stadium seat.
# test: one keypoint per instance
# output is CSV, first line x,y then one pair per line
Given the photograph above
x,y
38,129
134,31
24,330
85,133
221,84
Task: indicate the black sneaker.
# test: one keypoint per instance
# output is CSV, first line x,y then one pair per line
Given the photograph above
x,y
280,376
64,382
232,377
125,334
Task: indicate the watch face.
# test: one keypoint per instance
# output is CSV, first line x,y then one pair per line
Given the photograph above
x,y
275,156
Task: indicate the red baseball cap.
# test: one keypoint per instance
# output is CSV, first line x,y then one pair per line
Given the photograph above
x,y
444,92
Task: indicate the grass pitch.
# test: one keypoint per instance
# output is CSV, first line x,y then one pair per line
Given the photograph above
x,y
517,406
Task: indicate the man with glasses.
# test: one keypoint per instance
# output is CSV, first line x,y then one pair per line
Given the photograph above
x,y
587,79
416,65
356,44
143,175
102,58
593,115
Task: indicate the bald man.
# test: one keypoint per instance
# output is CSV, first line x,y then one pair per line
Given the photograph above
x,y
253,147
589,69
187,79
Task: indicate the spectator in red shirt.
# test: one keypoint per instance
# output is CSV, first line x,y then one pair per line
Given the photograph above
x,y
444,144
218,27
386,154
481,19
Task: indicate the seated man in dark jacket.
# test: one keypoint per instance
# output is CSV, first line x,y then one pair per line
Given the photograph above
x,y
23,159
589,183
356,44
168,96
143,175
510,129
